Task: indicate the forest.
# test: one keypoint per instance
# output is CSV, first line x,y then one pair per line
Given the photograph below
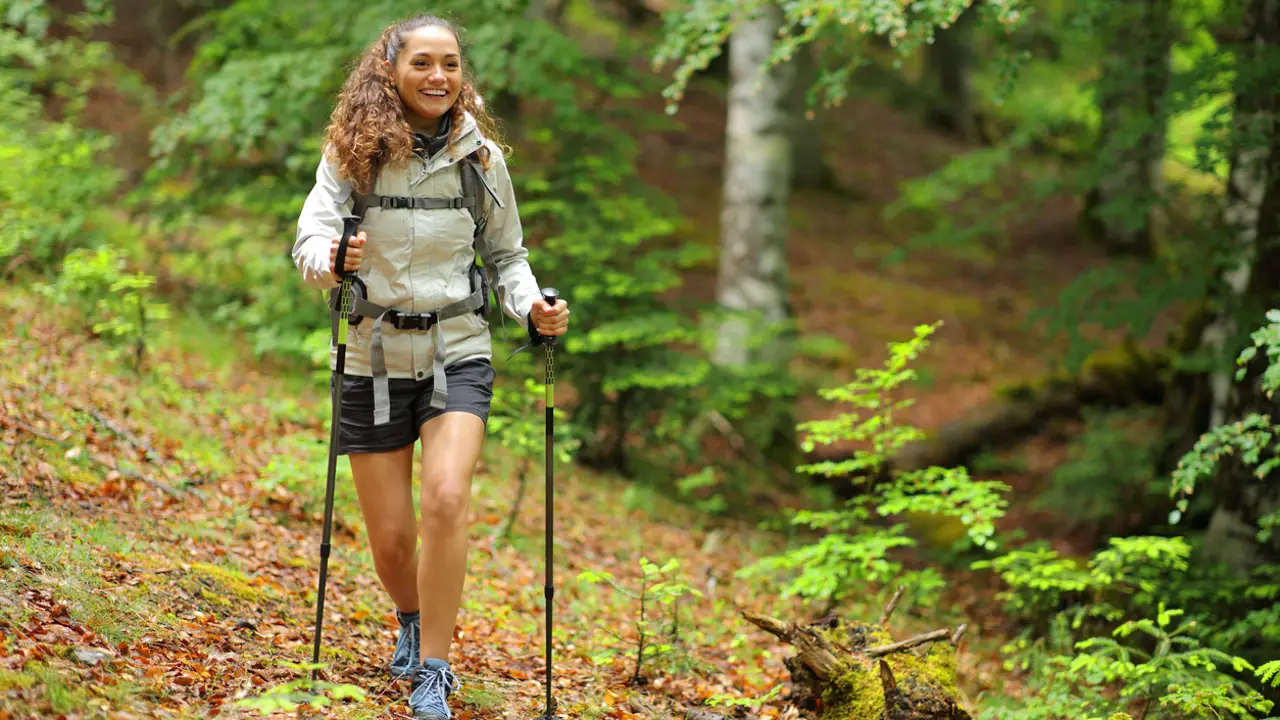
x,y
922,364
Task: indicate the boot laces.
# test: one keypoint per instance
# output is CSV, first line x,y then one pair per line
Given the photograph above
x,y
437,684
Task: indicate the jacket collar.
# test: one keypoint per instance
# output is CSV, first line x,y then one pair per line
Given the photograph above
x,y
468,140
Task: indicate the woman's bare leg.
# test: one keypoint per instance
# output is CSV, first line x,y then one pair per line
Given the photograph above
x,y
450,449
384,486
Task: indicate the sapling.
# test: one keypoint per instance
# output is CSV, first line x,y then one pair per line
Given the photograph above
x,y
653,588
857,541
118,303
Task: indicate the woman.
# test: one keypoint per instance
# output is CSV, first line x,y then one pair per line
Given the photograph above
x,y
406,119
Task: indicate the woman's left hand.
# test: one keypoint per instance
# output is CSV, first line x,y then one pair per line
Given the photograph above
x,y
550,320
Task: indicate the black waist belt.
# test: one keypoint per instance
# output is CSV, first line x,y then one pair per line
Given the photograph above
x,y
428,321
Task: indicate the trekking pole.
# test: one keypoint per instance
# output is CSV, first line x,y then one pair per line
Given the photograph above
x,y
345,304
550,296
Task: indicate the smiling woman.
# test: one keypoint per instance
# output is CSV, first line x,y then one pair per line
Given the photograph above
x,y
395,92
428,75
409,125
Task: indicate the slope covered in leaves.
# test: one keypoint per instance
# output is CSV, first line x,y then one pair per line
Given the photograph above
x,y
159,545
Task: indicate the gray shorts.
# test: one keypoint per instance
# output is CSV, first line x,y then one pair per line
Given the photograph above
x,y
470,390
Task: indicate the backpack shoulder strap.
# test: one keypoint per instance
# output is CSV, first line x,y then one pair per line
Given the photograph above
x,y
472,181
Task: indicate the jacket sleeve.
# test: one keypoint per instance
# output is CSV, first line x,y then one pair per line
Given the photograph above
x,y
319,223
517,288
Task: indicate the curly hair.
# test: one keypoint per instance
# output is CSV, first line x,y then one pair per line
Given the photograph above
x,y
368,128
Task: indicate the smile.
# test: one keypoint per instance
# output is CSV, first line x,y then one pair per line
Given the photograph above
x,y
434,93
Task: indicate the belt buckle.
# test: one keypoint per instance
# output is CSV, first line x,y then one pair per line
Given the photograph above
x,y
416,321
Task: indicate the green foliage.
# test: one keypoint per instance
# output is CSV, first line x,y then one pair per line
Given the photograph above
x,y
657,584
1132,570
751,703
1110,469
1077,53
856,548
516,419
1270,673
1077,615
1083,635
697,30
701,488
112,302
57,191
1179,665
1267,339
1251,439
301,692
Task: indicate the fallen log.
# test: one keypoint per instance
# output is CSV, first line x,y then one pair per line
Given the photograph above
x,y
855,671
1124,378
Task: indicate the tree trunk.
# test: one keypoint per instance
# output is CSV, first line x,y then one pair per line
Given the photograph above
x,y
1249,286
752,284
1121,207
757,180
948,61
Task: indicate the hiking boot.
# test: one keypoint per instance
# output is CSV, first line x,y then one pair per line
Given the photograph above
x,y
405,659
432,685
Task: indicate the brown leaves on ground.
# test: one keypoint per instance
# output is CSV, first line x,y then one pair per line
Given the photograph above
x,y
159,557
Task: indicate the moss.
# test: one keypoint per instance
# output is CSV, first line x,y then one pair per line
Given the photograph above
x,y
856,692
1120,716
940,662
227,581
1116,365
858,636
853,694
11,680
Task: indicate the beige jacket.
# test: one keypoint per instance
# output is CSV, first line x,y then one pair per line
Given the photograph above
x,y
419,260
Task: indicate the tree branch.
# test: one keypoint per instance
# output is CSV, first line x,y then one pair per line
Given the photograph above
x,y
893,603
909,643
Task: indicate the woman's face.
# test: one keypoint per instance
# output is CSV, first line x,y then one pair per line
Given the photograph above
x,y
428,75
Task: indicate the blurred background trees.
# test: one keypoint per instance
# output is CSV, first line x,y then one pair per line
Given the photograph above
x,y
755,209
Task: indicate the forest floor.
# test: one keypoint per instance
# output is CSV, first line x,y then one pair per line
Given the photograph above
x,y
159,545
129,597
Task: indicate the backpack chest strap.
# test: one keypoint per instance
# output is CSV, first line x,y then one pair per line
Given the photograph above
x,y
395,202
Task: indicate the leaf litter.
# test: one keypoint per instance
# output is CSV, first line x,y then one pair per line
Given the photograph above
x,y
159,555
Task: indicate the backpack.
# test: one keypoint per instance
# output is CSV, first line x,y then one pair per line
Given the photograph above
x,y
483,281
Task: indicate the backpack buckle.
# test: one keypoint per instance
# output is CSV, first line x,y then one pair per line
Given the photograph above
x,y
457,203
412,321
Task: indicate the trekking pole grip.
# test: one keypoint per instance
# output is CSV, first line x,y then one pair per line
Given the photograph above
x,y
349,225
549,296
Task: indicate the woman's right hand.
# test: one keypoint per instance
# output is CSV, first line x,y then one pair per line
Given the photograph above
x,y
354,253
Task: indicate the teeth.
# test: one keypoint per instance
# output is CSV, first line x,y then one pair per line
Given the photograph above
x,y
438,93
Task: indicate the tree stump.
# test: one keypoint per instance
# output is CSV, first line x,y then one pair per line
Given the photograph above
x,y
854,671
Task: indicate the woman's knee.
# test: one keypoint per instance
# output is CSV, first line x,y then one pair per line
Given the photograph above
x,y
393,548
445,501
